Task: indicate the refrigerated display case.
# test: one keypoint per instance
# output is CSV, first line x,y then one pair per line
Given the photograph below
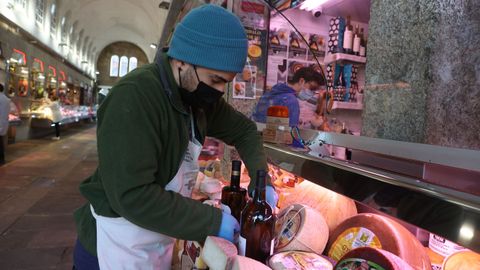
x,y
431,191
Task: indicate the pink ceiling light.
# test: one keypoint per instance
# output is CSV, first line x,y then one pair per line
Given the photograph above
x,y
309,5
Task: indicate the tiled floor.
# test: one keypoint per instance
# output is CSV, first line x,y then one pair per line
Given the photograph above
x,y
38,194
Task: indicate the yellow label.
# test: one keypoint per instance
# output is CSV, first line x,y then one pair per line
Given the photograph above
x,y
351,239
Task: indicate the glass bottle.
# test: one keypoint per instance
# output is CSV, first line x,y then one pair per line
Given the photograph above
x,y
257,225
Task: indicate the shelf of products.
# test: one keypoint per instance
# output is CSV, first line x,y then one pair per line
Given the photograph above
x,y
347,105
344,58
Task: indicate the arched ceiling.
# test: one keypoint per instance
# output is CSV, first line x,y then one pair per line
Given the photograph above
x,y
106,21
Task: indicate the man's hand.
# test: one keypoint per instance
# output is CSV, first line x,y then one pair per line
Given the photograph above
x,y
228,227
271,196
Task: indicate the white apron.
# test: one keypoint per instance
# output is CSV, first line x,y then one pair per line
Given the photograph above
x,y
124,245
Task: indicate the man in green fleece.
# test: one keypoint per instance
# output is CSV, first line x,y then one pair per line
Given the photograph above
x,y
150,131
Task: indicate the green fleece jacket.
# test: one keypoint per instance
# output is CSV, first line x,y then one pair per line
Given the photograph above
x,y
142,135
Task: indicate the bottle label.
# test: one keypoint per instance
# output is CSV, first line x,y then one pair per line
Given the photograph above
x,y
348,39
354,263
242,245
353,238
272,246
356,44
362,51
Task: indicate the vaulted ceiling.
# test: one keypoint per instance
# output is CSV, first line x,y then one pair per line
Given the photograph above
x,y
106,21
83,28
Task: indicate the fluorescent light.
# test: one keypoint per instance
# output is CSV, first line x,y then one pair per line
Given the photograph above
x,y
467,232
97,72
52,10
308,5
153,46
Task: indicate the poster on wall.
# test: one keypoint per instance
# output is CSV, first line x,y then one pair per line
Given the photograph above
x,y
278,42
277,71
245,83
297,48
252,13
317,46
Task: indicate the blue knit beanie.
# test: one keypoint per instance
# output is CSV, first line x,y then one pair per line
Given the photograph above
x,y
212,37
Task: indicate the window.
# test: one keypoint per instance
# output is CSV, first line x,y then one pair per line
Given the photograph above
x,y
132,64
21,3
53,19
123,66
63,29
114,66
39,11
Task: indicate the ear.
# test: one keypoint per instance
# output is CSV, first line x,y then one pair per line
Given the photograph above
x,y
179,64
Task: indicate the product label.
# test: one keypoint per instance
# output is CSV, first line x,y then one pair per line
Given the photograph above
x,y
354,264
353,238
289,229
298,260
242,245
442,246
436,267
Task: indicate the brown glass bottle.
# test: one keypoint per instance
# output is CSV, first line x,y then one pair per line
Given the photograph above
x,y
257,225
235,196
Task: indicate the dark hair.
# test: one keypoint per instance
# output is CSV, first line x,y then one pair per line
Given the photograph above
x,y
308,74
1,87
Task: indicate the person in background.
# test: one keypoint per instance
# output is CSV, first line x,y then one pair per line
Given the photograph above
x,y
56,110
149,136
102,95
285,94
4,111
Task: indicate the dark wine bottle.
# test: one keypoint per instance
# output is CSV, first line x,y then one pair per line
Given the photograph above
x,y
234,196
257,225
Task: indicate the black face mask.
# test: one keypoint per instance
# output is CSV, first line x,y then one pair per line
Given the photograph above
x,y
202,97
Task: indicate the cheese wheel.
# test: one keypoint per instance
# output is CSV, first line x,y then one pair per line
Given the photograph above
x,y
371,258
302,228
218,253
244,263
462,260
334,207
299,260
381,232
435,258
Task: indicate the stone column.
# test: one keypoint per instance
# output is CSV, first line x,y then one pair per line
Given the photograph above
x,y
423,72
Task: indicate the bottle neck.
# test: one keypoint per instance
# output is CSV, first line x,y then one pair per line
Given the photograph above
x,y
259,195
235,177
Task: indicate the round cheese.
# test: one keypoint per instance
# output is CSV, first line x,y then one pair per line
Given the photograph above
x,y
462,260
218,253
376,231
300,227
244,263
334,207
299,260
435,258
371,258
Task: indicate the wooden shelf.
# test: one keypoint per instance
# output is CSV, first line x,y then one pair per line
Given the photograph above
x,y
347,105
344,58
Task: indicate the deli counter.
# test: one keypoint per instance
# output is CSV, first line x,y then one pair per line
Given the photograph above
x,y
344,197
431,191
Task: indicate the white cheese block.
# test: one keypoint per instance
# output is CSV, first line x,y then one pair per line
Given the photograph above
x,y
301,228
218,253
291,260
244,263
